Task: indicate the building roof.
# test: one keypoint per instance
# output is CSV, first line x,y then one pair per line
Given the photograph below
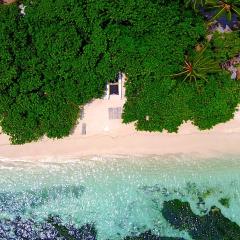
x,y
114,89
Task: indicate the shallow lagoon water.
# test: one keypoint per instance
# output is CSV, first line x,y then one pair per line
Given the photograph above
x,y
121,195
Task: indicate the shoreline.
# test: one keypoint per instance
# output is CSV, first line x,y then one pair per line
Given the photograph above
x,y
207,143
104,135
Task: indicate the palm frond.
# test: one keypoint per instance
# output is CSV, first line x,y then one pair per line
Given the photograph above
x,y
200,66
223,8
218,14
236,10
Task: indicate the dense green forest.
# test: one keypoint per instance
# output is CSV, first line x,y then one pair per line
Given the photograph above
x,y
60,55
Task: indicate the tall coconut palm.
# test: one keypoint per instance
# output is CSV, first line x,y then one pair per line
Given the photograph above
x,y
198,67
227,8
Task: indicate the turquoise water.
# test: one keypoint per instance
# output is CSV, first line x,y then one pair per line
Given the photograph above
x,y
121,195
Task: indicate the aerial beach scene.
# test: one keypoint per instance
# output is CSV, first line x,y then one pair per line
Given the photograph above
x,y
119,120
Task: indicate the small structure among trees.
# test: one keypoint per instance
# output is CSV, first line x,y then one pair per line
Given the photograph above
x,y
115,87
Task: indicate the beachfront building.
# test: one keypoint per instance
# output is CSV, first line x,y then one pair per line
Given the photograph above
x,y
105,115
115,87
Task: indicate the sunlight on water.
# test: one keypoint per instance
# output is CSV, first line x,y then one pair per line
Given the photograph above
x,y
121,195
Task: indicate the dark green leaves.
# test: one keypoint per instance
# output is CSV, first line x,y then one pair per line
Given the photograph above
x,y
46,69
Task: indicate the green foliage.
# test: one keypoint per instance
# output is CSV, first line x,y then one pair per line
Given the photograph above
x,y
162,99
216,103
195,4
49,65
157,103
226,7
168,104
164,103
198,67
225,46
219,8
61,54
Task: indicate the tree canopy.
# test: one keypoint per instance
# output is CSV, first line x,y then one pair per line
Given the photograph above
x,y
60,55
49,62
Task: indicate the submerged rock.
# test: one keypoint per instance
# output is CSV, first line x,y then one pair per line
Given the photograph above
x,y
149,236
210,226
52,229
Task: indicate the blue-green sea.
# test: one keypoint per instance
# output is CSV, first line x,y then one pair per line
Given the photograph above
x,y
119,195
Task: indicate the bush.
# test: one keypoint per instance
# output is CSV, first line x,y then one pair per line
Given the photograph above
x,y
216,103
156,102
225,46
49,65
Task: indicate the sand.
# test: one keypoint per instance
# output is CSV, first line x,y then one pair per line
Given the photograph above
x,y
106,136
8,1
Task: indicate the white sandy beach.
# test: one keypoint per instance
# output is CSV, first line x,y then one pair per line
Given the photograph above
x,y
110,136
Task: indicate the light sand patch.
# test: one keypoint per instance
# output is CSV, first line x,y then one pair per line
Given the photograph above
x,y
8,1
97,134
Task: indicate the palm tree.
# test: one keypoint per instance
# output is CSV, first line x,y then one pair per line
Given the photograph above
x,y
226,8
198,68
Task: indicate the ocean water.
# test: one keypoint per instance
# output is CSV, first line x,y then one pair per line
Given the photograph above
x,y
120,195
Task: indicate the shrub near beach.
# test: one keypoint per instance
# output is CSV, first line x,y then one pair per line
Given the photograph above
x,y
176,90
49,66
60,54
